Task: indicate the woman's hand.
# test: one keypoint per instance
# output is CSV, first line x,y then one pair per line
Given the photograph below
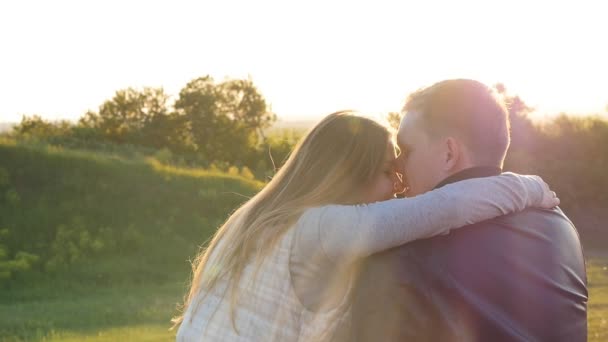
x,y
549,199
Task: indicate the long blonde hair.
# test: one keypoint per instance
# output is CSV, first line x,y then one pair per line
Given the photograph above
x,y
330,165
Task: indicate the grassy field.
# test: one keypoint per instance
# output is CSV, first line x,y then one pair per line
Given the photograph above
x,y
143,313
597,271
125,313
109,239
113,237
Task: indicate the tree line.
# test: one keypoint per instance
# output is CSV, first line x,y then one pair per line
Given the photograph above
x,y
209,123
225,124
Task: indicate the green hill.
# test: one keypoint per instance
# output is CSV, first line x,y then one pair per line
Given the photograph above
x,y
93,223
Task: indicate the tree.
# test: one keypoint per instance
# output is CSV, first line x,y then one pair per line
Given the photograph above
x,y
36,127
241,101
132,116
223,119
197,108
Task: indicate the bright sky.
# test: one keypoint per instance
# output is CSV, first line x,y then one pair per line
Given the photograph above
x,y
308,58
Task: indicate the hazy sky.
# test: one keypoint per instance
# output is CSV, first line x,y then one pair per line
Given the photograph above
x,y
308,58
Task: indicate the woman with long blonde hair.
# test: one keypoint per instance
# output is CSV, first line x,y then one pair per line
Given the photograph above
x,y
282,266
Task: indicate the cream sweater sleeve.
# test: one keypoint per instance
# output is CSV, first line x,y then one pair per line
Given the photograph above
x,y
347,233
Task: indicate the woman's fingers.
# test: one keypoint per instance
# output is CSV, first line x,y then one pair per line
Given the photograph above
x,y
550,200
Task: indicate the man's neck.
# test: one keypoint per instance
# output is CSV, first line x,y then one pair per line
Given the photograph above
x,y
471,172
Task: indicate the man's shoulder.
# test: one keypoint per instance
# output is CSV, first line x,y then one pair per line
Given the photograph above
x,y
552,221
550,226
553,216
542,227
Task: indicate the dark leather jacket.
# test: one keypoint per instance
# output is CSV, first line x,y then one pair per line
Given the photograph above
x,y
519,277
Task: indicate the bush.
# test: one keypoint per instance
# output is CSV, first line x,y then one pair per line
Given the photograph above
x,y
21,262
164,155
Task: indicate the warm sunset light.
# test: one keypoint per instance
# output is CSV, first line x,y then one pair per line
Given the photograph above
x,y
61,58
237,170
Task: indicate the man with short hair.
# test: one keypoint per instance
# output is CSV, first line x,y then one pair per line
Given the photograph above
x,y
519,277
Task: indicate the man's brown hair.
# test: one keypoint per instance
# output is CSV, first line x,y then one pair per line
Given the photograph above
x,y
468,110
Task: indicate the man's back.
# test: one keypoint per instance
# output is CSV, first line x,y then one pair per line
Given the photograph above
x,y
519,277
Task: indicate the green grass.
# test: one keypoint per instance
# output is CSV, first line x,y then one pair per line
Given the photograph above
x,y
132,313
142,313
143,333
597,272
79,212
113,237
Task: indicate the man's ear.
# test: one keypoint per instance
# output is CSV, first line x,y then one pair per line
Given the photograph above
x,y
453,153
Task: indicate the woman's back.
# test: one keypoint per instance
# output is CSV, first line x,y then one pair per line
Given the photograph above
x,y
267,308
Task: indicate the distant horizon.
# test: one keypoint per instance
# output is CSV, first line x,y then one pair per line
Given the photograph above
x,y
535,116
278,121
539,113
298,121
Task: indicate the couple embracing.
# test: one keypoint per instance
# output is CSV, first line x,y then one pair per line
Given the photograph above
x,y
328,251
